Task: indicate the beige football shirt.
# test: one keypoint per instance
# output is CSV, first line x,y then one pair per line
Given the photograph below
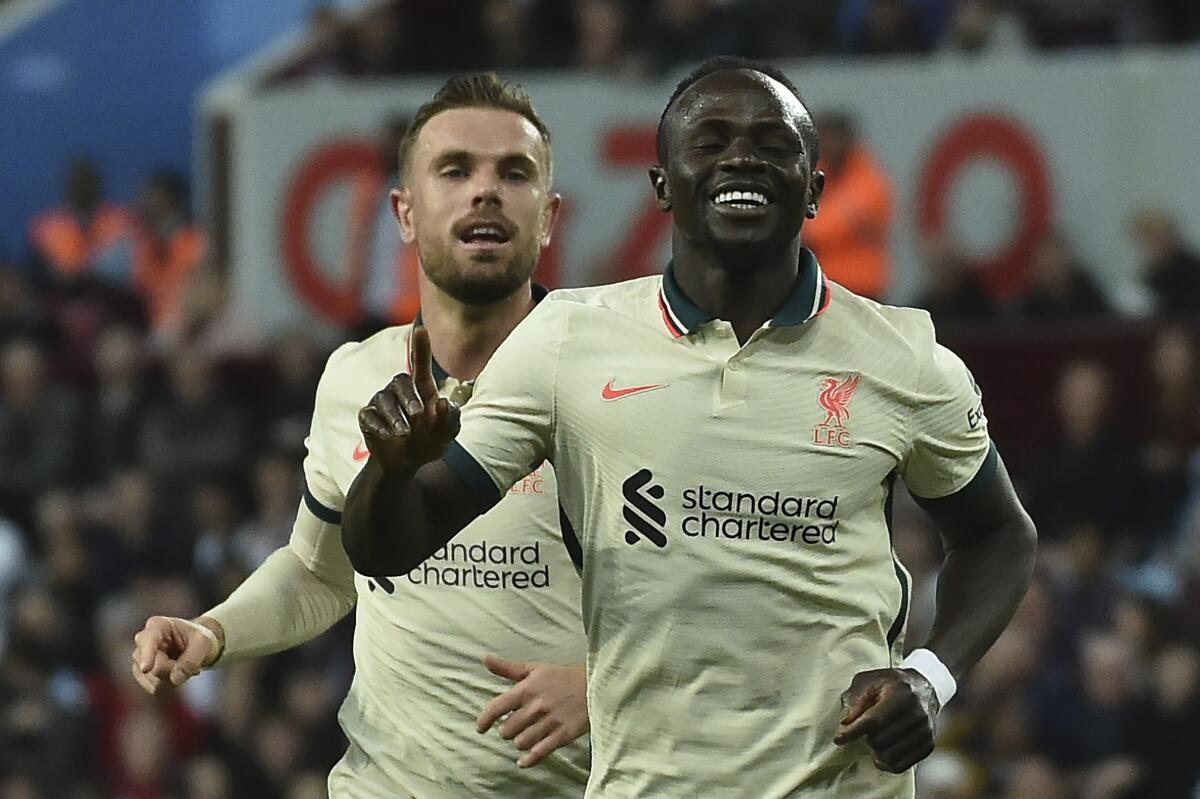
x,y
506,585
731,507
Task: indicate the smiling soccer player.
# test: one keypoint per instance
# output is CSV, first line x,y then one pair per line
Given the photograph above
x,y
764,657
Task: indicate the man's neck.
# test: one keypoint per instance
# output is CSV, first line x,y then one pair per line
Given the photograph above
x,y
464,337
746,294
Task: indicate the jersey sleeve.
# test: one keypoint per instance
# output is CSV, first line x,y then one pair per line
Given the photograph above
x,y
948,435
508,424
322,496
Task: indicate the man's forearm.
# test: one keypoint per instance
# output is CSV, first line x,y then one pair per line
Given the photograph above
x,y
979,588
280,605
387,527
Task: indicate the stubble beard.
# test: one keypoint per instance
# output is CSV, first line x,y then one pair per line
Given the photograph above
x,y
475,281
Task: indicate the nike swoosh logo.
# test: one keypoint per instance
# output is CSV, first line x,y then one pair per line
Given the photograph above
x,y
361,453
609,393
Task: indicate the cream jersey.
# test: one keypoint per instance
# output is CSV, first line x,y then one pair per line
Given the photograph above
x,y
731,506
506,586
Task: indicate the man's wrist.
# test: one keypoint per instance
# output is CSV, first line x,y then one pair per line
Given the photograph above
x,y
926,663
214,629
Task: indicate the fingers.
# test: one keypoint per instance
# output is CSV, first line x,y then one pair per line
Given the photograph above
x,y
543,748
149,640
517,723
447,419
148,682
904,755
394,405
535,732
503,704
861,717
188,664
422,365
513,670
899,730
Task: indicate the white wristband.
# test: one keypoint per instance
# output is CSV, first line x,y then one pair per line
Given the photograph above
x,y
212,637
929,666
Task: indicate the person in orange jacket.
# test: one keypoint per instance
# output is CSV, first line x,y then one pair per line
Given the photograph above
x,y
87,236
850,232
168,249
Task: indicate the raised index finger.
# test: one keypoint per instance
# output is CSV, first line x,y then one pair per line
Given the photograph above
x,y
422,366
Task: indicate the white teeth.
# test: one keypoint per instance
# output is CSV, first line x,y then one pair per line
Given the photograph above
x,y
746,199
486,231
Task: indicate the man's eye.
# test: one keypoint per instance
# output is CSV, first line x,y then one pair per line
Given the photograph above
x,y
708,146
454,172
516,176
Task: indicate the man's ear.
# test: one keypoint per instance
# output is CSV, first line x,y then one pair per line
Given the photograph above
x,y
662,193
814,194
550,218
402,209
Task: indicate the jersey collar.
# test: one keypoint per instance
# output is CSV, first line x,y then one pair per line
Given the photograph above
x,y
440,375
808,301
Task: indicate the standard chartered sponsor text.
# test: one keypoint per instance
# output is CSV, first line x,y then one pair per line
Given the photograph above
x,y
774,516
484,565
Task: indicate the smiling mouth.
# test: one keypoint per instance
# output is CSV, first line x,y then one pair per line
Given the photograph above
x,y
741,200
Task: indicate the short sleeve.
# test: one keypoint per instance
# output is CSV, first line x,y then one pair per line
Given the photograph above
x,y
948,436
508,424
322,496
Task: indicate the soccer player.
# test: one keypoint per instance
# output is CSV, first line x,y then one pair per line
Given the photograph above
x,y
727,437
476,198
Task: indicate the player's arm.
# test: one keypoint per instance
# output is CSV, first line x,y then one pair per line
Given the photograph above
x,y
426,479
990,542
299,592
406,503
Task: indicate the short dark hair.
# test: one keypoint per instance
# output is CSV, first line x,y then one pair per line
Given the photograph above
x,y
725,63
475,90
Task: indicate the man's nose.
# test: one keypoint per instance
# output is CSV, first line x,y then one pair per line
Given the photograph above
x,y
487,192
740,157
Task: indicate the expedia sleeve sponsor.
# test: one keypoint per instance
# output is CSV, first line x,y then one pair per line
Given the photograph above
x,y
775,516
948,438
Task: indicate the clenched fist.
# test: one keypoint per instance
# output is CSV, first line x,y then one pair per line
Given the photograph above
x,y
406,424
168,651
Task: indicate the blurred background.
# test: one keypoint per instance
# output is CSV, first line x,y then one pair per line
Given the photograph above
x,y
193,214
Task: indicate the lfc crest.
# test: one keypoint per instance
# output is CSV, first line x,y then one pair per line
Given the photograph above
x,y
834,399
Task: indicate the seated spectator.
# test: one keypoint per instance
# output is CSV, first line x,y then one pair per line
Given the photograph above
x,y
1060,287
276,491
122,393
23,311
38,429
88,235
1170,269
604,33
850,232
1084,473
983,27
954,291
684,31
196,428
883,27
169,249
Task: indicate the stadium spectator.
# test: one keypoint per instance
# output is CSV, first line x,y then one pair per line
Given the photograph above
x,y
169,249
954,291
333,49
38,429
604,27
1170,268
1083,474
196,428
851,229
885,27
1060,286
122,392
23,312
678,32
982,27
87,236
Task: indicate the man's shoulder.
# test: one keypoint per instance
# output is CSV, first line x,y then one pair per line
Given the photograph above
x,y
628,298
365,366
889,329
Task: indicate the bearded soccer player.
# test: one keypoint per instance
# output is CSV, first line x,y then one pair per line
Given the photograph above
x,y
727,437
476,198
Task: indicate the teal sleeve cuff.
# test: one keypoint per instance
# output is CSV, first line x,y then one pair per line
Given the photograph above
x,y
470,472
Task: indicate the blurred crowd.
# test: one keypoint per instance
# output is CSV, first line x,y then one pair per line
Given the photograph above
x,y
634,38
144,470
